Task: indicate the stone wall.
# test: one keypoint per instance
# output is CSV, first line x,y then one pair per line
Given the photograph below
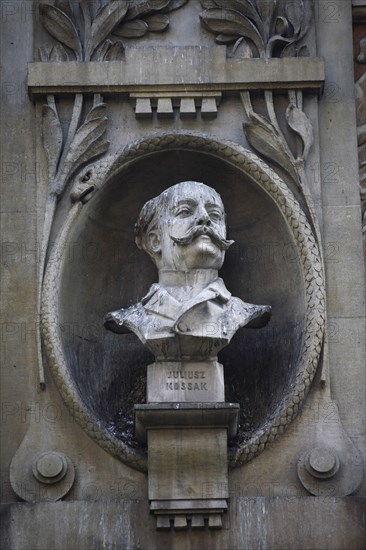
x,y
83,414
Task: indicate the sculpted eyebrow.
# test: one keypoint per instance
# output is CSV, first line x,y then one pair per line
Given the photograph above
x,y
185,201
213,205
193,203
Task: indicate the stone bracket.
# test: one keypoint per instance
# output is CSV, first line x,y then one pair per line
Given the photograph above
x,y
187,103
185,514
187,456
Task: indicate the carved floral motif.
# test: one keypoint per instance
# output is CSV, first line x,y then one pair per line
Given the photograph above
x,y
259,28
85,31
266,137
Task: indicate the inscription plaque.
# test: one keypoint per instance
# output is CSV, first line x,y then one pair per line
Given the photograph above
x,y
185,382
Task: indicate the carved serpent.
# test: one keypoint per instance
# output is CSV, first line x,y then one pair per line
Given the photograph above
x,y
308,251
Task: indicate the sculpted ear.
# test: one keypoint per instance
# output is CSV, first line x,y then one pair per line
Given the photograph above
x,y
153,242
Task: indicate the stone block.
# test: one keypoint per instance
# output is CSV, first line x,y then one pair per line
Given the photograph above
x,y
185,415
209,107
184,463
198,522
180,522
143,108
215,521
163,523
165,108
184,382
254,522
187,108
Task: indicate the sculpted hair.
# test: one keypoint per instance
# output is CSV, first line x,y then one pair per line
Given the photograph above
x,y
146,221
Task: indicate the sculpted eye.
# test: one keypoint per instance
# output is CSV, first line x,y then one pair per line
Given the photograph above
x,y
183,212
215,215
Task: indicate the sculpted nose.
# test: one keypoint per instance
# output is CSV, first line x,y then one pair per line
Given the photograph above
x,y
203,218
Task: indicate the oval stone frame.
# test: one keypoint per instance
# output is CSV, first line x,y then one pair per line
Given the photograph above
x,y
304,241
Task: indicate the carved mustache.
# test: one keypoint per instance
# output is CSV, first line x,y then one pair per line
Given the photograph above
x,y
199,230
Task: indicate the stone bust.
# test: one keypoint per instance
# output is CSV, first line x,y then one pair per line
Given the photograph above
x,y
189,313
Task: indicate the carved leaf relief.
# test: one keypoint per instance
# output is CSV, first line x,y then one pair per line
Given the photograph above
x,y
87,36
299,123
81,145
97,112
242,49
132,29
174,5
157,23
105,21
87,144
116,51
264,138
294,12
58,54
65,6
43,54
271,28
60,26
52,138
220,21
140,9
247,9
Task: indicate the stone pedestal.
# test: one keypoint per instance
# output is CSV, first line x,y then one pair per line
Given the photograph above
x,y
187,462
182,381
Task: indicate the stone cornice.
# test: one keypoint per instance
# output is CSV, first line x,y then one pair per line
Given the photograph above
x,y
188,69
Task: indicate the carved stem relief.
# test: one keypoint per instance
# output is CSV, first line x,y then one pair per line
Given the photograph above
x,y
65,156
264,134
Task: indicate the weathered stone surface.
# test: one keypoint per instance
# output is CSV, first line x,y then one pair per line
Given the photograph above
x,y
184,464
165,69
344,259
294,519
143,108
104,524
187,108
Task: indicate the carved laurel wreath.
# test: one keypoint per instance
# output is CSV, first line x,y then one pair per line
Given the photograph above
x,y
312,272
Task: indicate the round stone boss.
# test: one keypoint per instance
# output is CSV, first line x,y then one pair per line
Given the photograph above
x,y
98,373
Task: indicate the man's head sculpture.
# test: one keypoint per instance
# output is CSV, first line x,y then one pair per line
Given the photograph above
x,y
190,313
184,228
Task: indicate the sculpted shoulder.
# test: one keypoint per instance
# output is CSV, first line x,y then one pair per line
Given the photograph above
x,y
126,320
249,315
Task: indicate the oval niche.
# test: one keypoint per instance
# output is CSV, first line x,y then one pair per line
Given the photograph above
x,y
274,261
